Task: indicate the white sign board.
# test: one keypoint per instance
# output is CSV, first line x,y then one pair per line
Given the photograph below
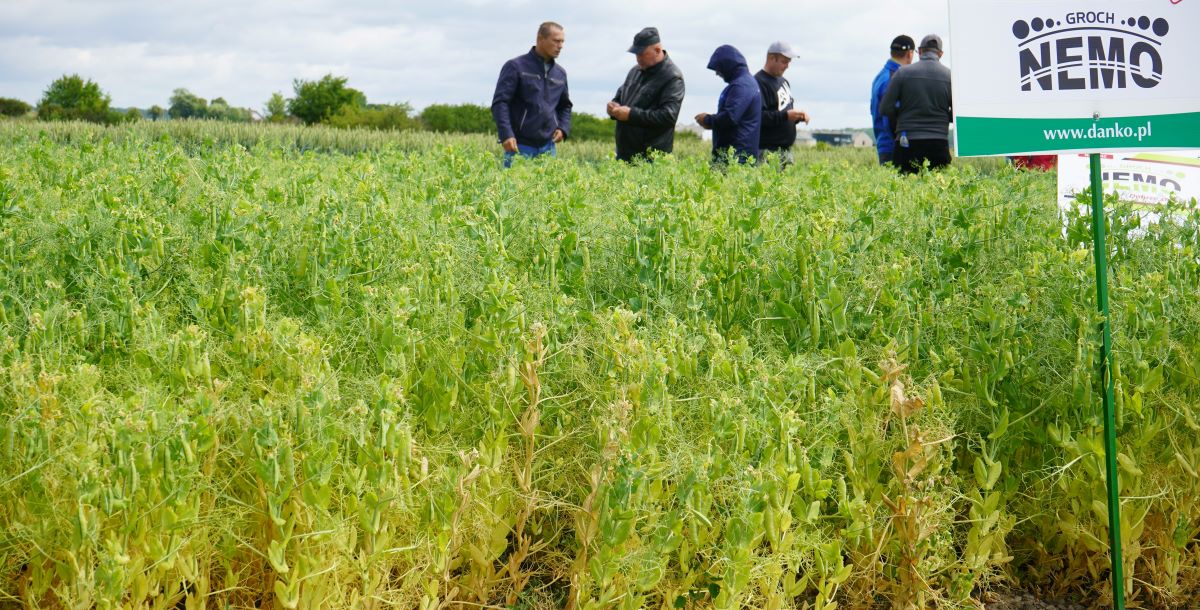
x,y
1034,76
1148,180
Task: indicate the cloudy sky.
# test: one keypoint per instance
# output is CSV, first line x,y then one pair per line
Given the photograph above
x,y
443,50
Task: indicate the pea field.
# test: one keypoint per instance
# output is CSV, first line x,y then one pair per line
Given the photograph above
x,y
284,367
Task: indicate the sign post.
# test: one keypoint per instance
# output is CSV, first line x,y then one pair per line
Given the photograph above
x,y
1063,76
1110,424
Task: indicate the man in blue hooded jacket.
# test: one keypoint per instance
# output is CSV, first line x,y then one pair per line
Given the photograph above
x,y
902,55
531,106
738,120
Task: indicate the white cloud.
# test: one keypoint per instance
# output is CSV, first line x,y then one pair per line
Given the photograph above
x,y
448,51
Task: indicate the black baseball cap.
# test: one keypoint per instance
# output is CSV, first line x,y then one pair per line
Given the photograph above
x,y
643,39
903,43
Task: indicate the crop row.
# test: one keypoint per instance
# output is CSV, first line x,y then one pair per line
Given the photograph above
x,y
405,377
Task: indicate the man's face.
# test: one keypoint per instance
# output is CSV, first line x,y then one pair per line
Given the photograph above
x,y
551,45
650,56
777,64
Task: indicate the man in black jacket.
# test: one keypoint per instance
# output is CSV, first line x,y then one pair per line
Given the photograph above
x,y
919,107
779,117
531,106
646,106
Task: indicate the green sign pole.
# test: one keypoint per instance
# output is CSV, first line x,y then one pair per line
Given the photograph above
x,y
1110,424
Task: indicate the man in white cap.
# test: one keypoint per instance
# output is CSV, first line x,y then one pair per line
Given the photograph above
x,y
779,117
919,108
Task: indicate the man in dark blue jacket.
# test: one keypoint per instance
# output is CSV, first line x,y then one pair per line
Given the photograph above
x,y
531,106
738,120
902,55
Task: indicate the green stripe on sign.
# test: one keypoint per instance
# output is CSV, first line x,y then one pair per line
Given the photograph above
x,y
1167,158
978,136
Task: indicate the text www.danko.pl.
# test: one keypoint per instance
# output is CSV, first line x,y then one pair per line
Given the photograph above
x,y
1096,132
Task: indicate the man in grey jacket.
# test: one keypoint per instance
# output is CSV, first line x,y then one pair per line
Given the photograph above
x,y
646,106
919,107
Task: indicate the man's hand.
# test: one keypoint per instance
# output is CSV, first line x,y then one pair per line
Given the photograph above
x,y
612,106
620,113
796,116
700,118
510,145
558,136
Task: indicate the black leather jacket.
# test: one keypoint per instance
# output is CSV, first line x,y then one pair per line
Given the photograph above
x,y
654,96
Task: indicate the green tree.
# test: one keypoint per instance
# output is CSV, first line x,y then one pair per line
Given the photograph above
x,y
13,107
460,118
317,101
73,98
156,112
132,115
587,127
276,110
376,116
187,105
220,110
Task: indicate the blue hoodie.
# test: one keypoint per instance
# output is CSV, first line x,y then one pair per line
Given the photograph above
x,y
739,112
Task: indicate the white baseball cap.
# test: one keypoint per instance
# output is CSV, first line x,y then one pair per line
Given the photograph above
x,y
783,49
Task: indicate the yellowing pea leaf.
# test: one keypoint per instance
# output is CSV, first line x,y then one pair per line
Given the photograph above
x,y
1001,427
275,554
288,596
993,474
1128,465
814,511
1153,380
981,473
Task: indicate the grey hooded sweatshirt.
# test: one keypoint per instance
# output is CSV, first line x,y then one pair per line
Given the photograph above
x,y
918,102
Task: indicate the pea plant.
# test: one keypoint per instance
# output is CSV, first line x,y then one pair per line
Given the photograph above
x,y
283,367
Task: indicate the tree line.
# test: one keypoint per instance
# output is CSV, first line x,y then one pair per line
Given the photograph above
x,y
326,101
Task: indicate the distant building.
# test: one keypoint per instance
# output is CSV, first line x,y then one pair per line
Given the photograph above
x,y
834,138
857,139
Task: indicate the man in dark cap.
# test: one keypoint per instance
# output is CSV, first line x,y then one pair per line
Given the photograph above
x,y
902,55
738,121
920,108
647,104
531,105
